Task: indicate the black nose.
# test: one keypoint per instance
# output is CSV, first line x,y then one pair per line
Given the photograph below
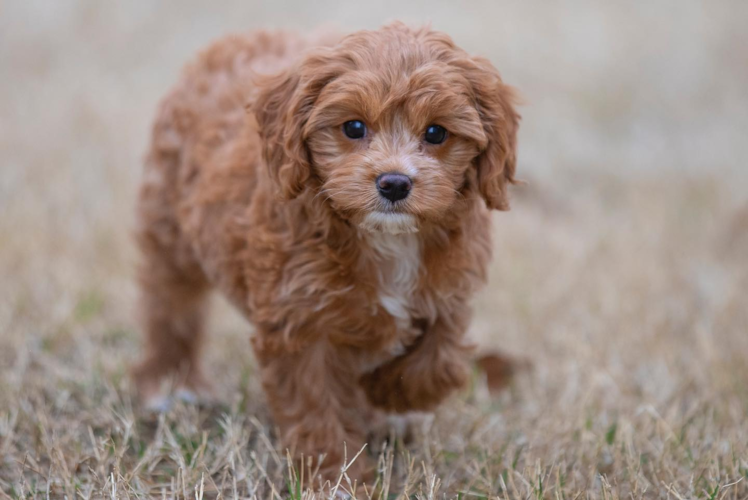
x,y
394,187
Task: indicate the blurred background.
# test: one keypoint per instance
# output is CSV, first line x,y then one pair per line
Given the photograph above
x,y
621,272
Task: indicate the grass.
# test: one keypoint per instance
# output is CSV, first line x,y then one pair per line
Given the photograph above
x,y
634,321
620,274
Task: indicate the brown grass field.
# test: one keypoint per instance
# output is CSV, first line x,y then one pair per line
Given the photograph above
x,y
621,272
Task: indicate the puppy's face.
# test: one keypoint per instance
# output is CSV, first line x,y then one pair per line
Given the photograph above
x,y
394,151
395,128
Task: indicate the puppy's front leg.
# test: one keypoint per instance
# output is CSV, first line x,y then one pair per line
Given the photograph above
x,y
317,404
426,374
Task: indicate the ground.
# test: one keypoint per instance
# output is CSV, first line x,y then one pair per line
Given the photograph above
x,y
620,275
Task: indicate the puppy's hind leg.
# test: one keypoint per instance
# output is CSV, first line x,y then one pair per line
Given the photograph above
x,y
173,307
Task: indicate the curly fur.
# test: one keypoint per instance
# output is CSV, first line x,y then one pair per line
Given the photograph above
x,y
359,305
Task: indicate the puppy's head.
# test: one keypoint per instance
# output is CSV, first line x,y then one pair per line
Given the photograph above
x,y
396,128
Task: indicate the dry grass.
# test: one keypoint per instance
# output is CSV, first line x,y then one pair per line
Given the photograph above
x,y
621,271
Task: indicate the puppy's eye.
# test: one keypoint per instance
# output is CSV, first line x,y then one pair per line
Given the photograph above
x,y
435,134
354,129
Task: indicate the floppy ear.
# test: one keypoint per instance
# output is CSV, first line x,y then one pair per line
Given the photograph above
x,y
282,106
495,102
279,108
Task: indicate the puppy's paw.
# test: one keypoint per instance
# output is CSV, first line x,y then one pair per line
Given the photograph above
x,y
406,428
401,386
164,400
157,403
158,391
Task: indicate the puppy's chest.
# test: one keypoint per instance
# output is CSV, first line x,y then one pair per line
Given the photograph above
x,y
397,263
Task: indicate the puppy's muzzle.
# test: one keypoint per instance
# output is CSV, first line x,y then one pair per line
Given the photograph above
x,y
394,186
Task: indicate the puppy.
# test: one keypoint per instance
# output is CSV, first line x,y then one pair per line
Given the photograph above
x,y
342,205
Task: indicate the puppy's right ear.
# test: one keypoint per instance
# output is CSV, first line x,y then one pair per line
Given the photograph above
x,y
281,109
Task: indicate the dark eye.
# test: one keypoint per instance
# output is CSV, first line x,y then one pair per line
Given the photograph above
x,y
354,129
435,134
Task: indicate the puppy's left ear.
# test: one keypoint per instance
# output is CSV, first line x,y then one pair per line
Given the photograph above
x,y
495,102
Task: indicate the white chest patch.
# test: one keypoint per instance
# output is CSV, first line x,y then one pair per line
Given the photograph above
x,y
398,264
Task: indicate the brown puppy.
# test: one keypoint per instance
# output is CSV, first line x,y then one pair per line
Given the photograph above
x,y
341,205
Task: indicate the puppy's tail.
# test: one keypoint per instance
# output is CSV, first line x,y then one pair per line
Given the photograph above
x,y
500,369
